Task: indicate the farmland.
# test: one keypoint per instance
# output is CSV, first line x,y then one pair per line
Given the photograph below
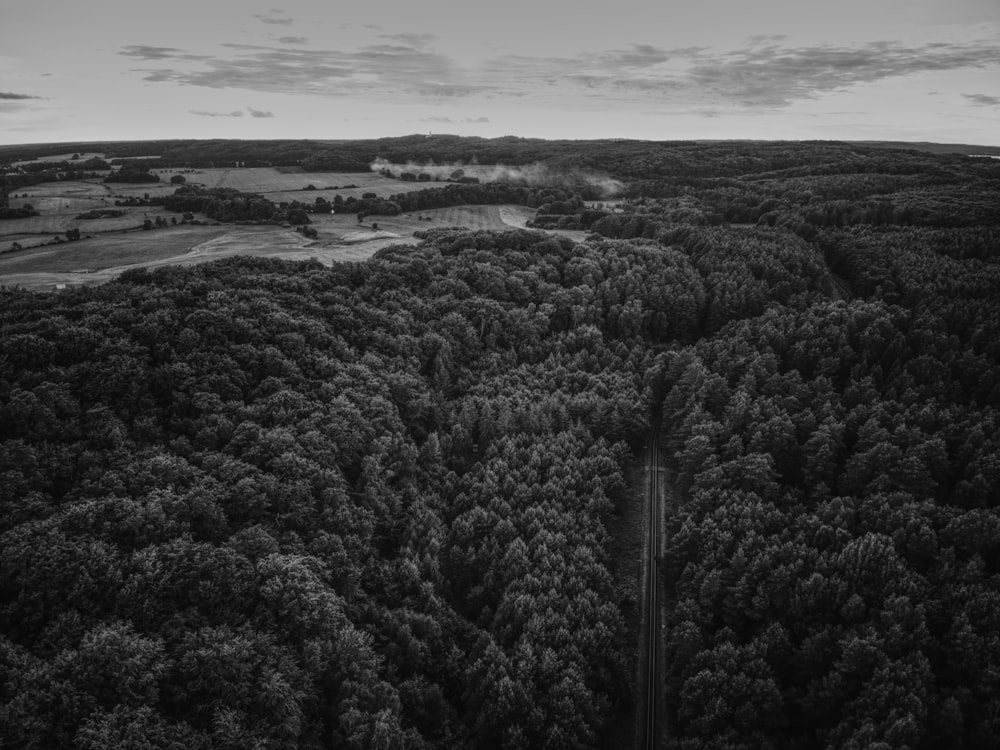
x,y
275,184
111,245
289,184
341,238
60,202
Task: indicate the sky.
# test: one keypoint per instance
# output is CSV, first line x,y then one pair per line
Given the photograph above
x,y
912,70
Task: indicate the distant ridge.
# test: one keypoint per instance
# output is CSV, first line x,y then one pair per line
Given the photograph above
x,y
934,148
15,152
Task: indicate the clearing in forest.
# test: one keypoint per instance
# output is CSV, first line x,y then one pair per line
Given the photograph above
x,y
287,184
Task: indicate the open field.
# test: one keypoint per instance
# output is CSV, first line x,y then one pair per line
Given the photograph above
x,y
59,203
84,155
287,184
63,197
473,217
112,245
341,238
98,253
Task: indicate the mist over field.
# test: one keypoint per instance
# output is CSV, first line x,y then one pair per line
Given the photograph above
x,y
537,174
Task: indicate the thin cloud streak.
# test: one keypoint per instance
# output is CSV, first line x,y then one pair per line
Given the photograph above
x,y
203,113
274,20
983,100
411,39
460,121
10,96
147,52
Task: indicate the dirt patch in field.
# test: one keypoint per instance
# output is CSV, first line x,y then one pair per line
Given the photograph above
x,y
519,216
367,236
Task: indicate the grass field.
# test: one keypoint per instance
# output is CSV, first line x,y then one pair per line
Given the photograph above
x,y
59,203
98,253
284,184
84,155
473,217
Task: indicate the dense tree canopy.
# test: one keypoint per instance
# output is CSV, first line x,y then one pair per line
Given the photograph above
x,y
834,559
309,507
256,503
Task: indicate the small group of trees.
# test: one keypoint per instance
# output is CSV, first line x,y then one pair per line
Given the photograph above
x,y
100,213
133,172
23,212
160,222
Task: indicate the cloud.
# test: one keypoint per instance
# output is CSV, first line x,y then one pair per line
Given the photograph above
x,y
774,76
274,18
411,39
259,112
380,68
983,100
761,38
766,73
292,39
146,52
640,56
450,121
203,113
13,102
159,76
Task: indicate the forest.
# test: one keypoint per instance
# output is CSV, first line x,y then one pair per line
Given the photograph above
x,y
274,504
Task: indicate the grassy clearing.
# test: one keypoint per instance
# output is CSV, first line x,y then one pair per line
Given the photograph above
x,y
341,226
40,229
84,155
283,184
106,252
59,203
76,195
138,190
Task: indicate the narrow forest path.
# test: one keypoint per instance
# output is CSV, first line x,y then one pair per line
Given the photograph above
x,y
632,554
648,720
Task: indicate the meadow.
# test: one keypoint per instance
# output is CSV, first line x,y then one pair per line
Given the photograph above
x,y
111,246
291,183
59,203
